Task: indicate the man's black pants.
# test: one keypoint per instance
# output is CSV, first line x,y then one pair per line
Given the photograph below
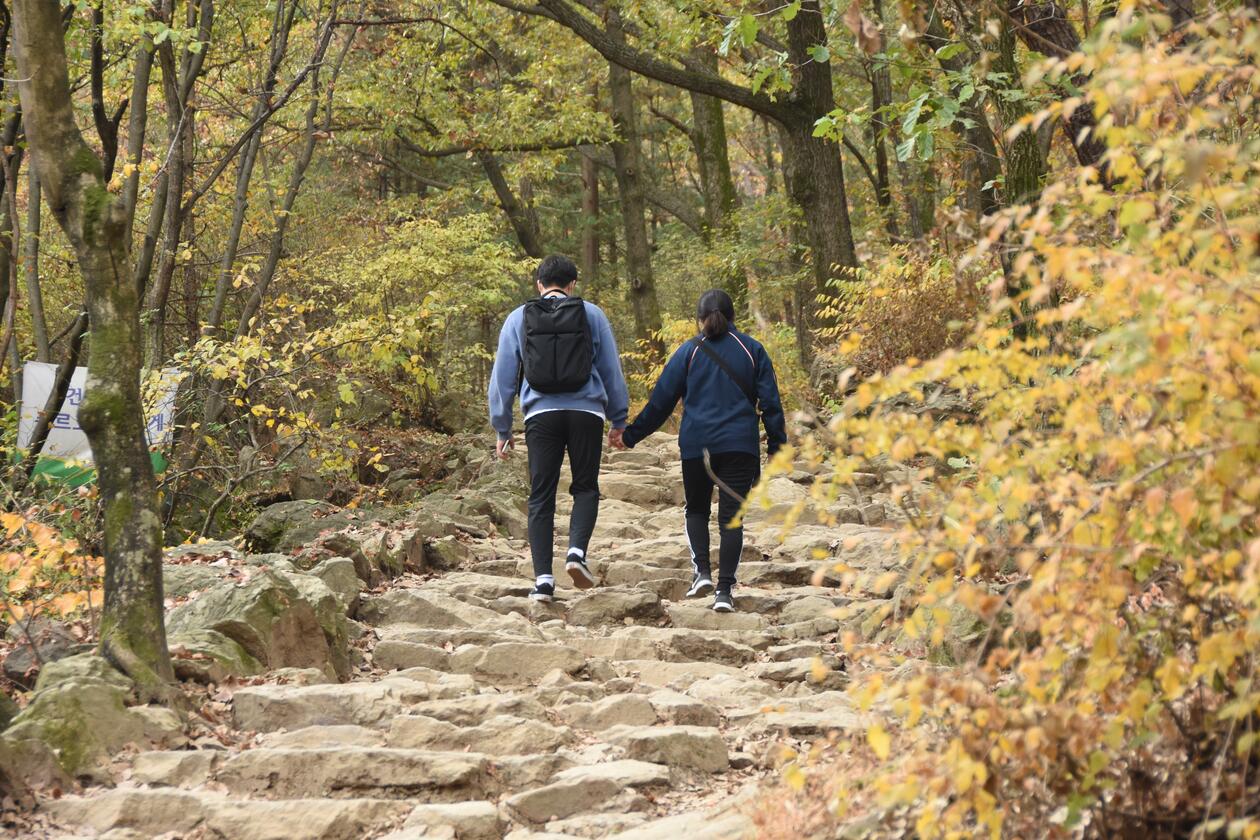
x,y
739,471
548,435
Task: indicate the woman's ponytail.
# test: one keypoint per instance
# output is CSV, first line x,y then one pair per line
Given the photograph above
x,y
716,313
715,325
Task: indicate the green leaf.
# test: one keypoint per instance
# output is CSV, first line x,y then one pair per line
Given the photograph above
x,y
347,394
906,148
791,10
948,51
823,126
748,28
820,53
911,120
928,147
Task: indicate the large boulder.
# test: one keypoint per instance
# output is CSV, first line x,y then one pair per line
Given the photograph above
x,y
207,656
275,622
79,709
287,525
35,643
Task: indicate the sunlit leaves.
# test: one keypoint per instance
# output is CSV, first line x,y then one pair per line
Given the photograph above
x,y
1083,549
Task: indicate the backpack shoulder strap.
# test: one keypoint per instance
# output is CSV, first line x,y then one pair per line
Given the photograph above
x,y
744,385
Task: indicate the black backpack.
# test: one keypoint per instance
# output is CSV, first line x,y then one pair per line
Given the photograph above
x,y
557,352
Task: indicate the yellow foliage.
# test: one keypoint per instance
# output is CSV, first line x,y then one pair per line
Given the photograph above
x,y
41,572
1105,530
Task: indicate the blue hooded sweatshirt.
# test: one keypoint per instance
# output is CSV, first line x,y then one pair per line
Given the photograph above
x,y
717,416
604,393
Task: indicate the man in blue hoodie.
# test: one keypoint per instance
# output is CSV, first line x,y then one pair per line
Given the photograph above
x,y
562,359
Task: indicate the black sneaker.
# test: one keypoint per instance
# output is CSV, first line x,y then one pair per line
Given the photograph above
x,y
722,601
543,592
701,585
578,570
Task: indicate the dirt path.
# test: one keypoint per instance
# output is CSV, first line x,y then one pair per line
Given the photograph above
x,y
623,711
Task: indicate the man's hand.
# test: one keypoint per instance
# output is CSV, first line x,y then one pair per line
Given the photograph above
x,y
504,448
614,438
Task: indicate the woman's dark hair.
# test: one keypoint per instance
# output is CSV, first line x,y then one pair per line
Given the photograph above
x,y
716,313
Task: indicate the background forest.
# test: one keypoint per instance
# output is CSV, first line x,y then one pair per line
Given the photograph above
x,y
1011,246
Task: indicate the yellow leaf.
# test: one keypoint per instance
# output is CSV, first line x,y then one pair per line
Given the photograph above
x,y
879,740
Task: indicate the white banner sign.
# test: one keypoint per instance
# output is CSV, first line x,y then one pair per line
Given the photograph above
x,y
66,439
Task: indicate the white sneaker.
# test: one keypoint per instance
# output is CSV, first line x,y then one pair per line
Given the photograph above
x,y
700,585
577,569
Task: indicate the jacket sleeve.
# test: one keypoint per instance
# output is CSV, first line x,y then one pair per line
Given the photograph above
x,y
608,363
504,377
669,389
771,404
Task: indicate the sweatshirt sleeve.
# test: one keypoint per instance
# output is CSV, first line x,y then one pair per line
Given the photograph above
x,y
666,393
771,404
608,363
504,377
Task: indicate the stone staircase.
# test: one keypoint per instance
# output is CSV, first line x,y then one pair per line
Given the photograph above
x,y
621,711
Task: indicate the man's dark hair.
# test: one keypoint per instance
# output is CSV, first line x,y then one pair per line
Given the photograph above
x,y
556,272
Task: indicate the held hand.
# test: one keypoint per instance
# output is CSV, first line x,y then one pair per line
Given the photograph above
x,y
614,438
504,448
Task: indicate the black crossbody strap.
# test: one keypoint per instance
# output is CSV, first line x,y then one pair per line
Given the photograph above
x,y
743,383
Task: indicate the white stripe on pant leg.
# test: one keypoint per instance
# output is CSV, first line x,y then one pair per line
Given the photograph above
x,y
695,568
581,555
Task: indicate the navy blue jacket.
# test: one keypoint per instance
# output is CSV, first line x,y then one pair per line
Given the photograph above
x,y
716,414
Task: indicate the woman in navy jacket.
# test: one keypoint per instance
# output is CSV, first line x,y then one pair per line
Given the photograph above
x,y
718,375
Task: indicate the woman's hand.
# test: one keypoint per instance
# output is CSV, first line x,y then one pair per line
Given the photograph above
x,y
614,438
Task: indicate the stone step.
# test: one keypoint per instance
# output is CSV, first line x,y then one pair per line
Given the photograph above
x,y
267,708
499,735
516,662
350,772
587,788
182,813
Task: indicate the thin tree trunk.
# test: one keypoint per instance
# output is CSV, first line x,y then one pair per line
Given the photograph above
x,y
525,227
881,98
132,633
57,397
136,128
628,158
34,295
281,27
313,130
708,136
590,220
721,200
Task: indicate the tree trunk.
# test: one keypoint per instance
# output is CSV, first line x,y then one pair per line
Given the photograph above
x,y
57,396
132,633
881,97
590,220
708,137
1045,28
817,185
524,224
628,159
34,295
815,178
281,26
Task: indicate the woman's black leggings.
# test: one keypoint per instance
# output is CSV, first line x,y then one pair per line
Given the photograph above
x,y
739,471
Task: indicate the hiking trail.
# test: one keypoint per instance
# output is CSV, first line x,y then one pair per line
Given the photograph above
x,y
475,713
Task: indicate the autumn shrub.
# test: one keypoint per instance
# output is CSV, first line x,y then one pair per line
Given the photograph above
x,y
1100,519
42,573
911,305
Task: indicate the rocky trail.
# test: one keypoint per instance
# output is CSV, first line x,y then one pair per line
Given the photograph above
x,y
388,677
